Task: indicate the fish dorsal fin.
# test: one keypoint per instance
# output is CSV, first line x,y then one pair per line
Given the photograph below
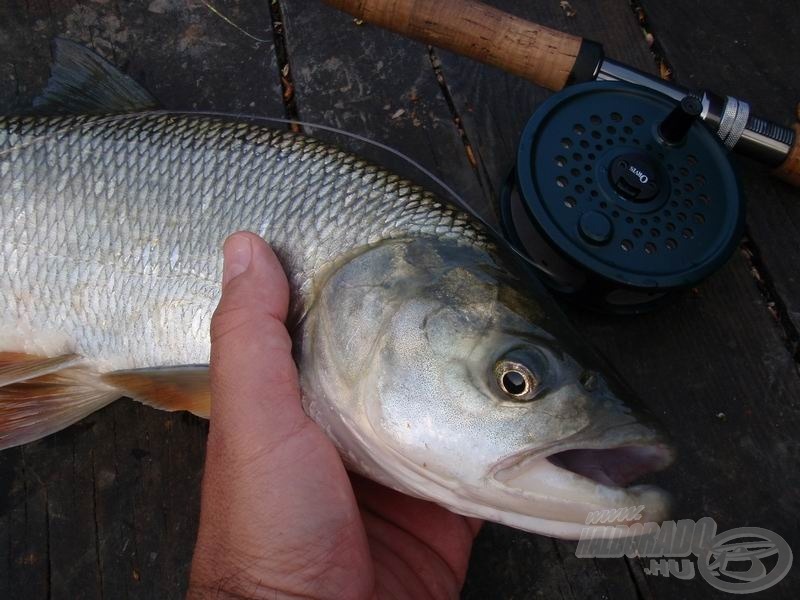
x,y
82,82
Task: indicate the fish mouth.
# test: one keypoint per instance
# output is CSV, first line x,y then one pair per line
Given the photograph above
x,y
613,467
570,488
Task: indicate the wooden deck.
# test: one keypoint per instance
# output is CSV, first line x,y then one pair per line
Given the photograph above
x,y
108,508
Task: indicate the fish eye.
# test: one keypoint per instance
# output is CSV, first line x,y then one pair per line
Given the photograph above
x,y
516,380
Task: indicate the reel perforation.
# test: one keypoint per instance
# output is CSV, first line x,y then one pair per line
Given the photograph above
x,y
606,192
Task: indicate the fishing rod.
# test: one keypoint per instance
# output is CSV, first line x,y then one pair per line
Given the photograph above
x,y
555,60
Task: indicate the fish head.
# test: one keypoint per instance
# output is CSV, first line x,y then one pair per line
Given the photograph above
x,y
442,374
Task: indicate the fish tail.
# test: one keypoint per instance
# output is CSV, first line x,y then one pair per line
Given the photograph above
x,y
43,395
39,396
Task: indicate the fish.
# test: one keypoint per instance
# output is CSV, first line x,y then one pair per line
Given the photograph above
x,y
427,350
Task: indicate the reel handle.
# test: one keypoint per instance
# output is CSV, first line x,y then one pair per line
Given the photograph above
x,y
473,29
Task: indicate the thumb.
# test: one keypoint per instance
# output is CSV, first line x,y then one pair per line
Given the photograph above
x,y
254,383
255,406
277,510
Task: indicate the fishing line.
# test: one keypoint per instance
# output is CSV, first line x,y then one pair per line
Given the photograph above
x,y
393,151
458,200
234,25
454,197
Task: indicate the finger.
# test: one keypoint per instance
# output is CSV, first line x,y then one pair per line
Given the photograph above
x,y
277,509
255,404
253,377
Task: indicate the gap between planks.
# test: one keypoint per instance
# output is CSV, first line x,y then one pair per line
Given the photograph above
x,y
284,64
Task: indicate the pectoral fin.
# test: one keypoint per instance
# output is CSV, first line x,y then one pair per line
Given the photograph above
x,y
170,388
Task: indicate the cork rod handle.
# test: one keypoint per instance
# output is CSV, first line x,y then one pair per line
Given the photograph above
x,y
789,171
473,29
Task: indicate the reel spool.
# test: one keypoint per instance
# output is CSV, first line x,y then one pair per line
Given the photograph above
x,y
621,196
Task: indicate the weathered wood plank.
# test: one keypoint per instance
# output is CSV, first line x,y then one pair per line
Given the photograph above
x,y
108,508
376,84
734,48
718,376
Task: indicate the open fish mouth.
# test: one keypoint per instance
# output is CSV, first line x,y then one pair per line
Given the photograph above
x,y
613,467
571,488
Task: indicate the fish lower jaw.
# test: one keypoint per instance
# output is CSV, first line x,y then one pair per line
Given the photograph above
x,y
571,489
564,530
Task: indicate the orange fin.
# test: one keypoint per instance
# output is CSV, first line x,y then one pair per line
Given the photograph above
x,y
167,388
41,395
16,367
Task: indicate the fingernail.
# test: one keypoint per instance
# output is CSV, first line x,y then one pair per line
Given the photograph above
x,y
238,252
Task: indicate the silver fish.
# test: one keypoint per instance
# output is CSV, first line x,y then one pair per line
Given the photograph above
x,y
430,358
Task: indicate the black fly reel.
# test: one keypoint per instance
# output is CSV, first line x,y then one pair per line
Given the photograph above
x,y
621,196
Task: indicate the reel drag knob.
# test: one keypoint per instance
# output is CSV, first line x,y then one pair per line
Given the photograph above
x,y
621,197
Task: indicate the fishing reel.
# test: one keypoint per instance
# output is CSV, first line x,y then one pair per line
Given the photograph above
x,y
621,196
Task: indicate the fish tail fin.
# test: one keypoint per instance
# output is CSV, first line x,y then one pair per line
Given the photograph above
x,y
82,82
39,396
43,395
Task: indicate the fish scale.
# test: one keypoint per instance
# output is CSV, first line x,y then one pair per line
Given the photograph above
x,y
151,197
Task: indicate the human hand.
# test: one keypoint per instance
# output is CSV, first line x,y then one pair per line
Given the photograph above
x,y
280,516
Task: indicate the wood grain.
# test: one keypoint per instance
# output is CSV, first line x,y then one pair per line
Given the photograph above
x,y
495,106
371,82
